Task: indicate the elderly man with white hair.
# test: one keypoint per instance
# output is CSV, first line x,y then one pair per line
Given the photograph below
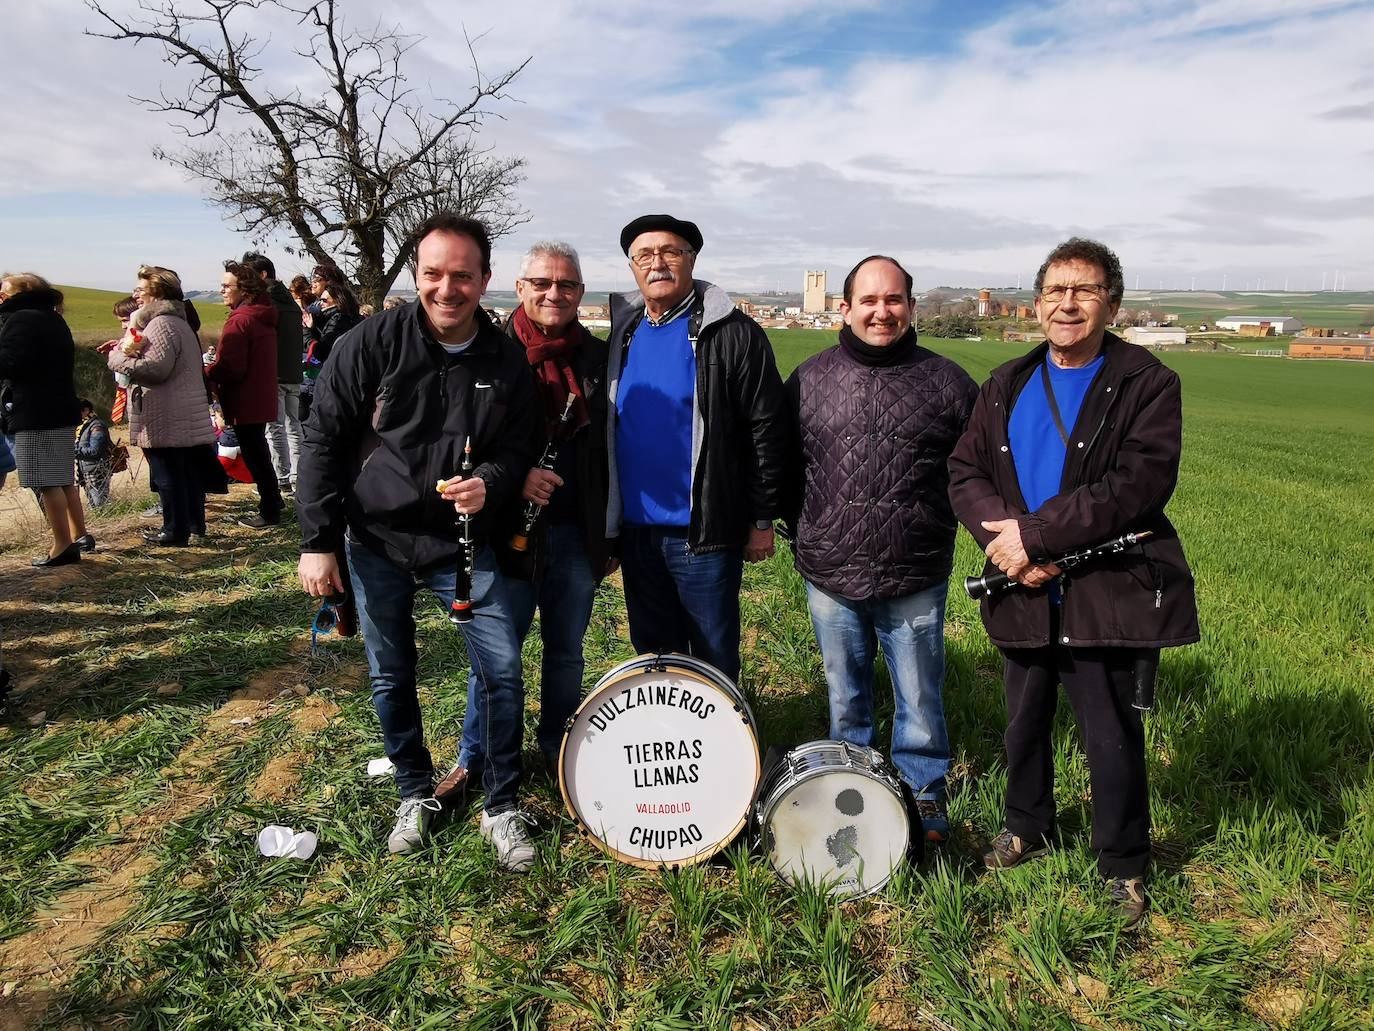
x,y
551,542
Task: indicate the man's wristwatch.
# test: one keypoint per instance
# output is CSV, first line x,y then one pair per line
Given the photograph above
x,y
763,524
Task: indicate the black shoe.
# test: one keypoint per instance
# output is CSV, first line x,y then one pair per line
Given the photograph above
x,y
1008,850
65,558
164,539
257,522
87,543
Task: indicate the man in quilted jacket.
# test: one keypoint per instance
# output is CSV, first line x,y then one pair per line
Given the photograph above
x,y
878,416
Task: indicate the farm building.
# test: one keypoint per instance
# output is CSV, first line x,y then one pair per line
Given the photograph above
x,y
1323,347
1280,323
1155,336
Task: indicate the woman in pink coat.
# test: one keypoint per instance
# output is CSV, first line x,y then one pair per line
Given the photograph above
x,y
169,417
244,374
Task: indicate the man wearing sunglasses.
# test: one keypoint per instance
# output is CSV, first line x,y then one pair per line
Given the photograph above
x,y
555,563
1069,446
698,443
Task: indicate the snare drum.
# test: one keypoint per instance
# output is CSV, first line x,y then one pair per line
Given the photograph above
x,y
660,762
833,812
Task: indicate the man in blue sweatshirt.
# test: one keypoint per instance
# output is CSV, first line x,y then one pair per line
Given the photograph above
x,y
698,442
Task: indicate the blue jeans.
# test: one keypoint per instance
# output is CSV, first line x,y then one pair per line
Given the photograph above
x,y
564,598
385,595
911,632
679,600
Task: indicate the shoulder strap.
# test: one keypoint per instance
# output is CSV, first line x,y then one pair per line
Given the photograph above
x,y
1054,405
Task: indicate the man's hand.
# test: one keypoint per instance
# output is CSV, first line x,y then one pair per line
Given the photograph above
x,y
1038,576
759,546
468,496
540,484
1006,550
319,574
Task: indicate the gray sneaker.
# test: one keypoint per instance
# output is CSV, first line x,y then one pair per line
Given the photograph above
x,y
507,831
153,511
413,817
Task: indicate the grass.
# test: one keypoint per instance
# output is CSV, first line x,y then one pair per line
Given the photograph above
x,y
138,808
89,314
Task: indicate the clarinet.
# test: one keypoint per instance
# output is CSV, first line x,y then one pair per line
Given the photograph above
x,y
460,611
520,540
982,586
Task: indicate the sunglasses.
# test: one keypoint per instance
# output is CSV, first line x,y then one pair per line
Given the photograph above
x,y
335,615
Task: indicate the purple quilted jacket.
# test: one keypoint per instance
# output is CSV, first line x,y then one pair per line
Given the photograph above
x,y
874,517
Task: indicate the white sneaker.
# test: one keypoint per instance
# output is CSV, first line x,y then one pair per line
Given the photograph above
x,y
507,831
413,817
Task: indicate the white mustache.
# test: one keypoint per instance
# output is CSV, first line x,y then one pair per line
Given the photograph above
x,y
658,275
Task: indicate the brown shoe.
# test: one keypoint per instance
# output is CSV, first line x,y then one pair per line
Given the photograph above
x,y
1008,850
452,791
1129,898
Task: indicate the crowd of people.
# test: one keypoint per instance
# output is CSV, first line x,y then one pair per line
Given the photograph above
x,y
680,453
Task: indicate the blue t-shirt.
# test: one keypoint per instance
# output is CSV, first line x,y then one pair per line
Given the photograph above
x,y
653,438
1036,447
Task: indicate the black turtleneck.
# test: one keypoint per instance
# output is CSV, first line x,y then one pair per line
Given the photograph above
x,y
899,352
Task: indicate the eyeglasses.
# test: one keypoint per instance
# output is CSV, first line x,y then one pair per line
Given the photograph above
x,y
1081,291
670,255
568,286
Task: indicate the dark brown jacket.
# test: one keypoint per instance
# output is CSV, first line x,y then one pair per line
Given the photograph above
x,y
1120,470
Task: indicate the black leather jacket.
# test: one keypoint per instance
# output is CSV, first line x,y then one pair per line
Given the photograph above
x,y
741,436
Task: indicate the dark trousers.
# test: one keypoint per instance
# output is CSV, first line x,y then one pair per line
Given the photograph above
x,y
679,600
179,488
1100,684
253,446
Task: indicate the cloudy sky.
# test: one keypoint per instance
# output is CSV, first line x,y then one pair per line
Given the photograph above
x,y
1198,138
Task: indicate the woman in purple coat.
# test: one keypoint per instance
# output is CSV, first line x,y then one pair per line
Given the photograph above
x,y
169,417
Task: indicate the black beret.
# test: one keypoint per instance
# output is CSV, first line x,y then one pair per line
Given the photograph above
x,y
660,224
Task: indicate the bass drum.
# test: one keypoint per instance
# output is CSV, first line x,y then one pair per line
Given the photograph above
x,y
833,813
660,762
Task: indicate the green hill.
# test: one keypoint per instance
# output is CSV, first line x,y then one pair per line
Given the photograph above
x,y
88,313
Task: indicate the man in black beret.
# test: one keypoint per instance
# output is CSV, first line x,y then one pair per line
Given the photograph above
x,y
698,444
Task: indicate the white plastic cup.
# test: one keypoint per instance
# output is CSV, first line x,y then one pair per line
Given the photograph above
x,y
303,845
276,841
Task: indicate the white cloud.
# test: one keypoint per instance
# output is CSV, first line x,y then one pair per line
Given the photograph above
x,y
1193,136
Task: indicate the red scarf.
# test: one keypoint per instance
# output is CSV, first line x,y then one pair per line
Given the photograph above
x,y
550,358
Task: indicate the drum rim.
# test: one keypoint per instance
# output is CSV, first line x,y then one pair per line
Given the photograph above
x,y
664,662
782,768
766,806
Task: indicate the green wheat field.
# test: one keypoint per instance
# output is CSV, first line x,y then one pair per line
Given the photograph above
x,y
168,707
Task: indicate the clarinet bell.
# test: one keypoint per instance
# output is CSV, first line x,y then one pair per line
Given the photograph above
x,y
460,611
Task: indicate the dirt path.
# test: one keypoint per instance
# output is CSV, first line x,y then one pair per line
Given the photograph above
x,y
42,613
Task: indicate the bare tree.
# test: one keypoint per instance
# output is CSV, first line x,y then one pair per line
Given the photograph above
x,y
347,166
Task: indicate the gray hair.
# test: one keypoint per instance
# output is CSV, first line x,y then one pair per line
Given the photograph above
x,y
551,249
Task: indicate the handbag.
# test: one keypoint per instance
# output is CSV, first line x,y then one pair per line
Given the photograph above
x,y
119,456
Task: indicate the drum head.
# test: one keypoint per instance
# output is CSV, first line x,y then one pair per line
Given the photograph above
x,y
845,828
659,766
